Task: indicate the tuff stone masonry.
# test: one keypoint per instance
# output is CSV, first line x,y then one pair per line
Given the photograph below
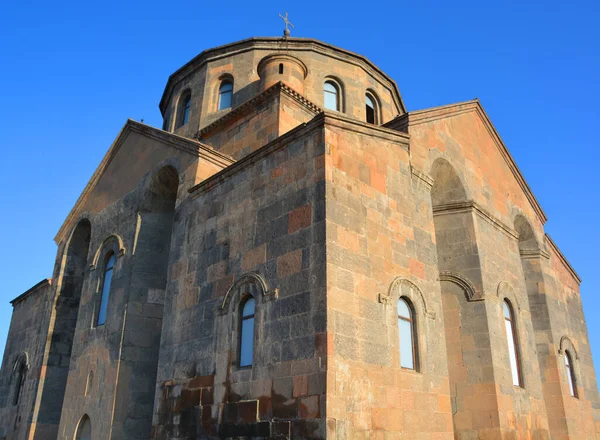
x,y
288,171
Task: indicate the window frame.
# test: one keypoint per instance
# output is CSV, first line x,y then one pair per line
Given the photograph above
x,y
515,342
411,319
571,378
183,109
224,82
110,255
338,94
372,96
241,320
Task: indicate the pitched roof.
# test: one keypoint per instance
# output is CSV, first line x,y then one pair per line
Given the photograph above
x,y
190,146
402,123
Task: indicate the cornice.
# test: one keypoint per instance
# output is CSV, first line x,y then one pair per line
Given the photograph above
x,y
186,145
471,205
562,258
436,113
38,287
530,254
337,119
248,106
285,45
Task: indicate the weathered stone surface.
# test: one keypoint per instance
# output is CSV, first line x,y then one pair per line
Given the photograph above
x,y
326,222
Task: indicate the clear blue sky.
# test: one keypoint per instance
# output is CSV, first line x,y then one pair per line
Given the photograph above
x,y
73,72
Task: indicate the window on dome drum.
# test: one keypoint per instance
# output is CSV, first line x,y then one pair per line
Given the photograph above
x,y
108,275
331,96
570,374
247,332
371,109
225,95
406,334
280,68
513,350
20,381
184,110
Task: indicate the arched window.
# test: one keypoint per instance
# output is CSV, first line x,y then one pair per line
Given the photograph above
x,y
331,97
184,109
225,94
247,332
371,108
281,68
20,370
84,430
513,349
570,374
108,275
407,335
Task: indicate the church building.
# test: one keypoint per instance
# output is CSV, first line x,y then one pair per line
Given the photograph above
x,y
294,255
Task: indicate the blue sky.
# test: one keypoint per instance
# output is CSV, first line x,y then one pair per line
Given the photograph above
x,y
73,72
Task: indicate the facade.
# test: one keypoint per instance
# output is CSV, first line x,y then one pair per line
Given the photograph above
x,y
294,255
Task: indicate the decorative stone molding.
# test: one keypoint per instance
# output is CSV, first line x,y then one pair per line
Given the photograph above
x,y
463,282
531,254
567,344
506,291
394,293
22,359
258,287
422,177
120,252
472,206
384,299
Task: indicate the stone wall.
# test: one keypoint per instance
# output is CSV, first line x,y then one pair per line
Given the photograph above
x,y
25,347
255,229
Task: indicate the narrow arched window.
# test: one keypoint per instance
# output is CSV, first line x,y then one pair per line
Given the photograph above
x,y
281,68
407,335
331,97
570,374
84,430
247,332
184,109
20,370
513,349
371,108
225,95
106,281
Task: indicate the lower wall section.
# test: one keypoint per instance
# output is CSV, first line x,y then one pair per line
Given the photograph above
x,y
188,409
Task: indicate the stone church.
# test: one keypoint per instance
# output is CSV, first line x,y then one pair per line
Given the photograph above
x,y
294,255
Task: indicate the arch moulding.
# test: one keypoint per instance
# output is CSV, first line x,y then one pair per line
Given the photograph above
x,y
463,282
567,344
120,253
252,277
394,293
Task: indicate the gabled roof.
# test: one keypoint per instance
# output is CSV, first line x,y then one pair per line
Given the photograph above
x,y
275,43
402,123
190,146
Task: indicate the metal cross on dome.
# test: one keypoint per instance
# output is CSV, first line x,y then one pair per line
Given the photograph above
x,y
286,32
